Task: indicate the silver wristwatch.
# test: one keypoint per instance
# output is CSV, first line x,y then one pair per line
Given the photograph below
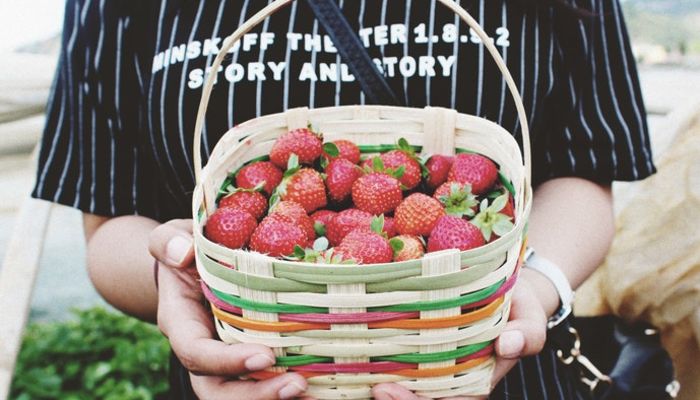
x,y
552,272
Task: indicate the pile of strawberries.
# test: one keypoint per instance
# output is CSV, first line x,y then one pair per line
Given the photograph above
x,y
323,203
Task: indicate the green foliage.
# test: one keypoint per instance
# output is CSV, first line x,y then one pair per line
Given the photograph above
x,y
99,355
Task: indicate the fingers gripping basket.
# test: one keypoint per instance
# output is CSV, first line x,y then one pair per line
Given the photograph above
x,y
426,324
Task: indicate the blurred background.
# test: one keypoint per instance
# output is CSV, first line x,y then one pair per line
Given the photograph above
x,y
666,42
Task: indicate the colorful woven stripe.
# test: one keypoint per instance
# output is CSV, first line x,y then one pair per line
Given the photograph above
x,y
431,323
291,313
382,366
414,358
407,372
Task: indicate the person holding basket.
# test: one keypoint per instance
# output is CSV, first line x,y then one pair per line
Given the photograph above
x,y
118,146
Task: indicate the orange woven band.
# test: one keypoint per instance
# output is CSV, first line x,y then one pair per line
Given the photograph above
x,y
412,373
431,323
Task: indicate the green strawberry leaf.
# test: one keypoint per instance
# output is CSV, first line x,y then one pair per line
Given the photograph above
x,y
502,226
299,252
484,205
320,244
398,173
499,203
486,232
396,245
377,224
460,201
331,149
320,228
274,200
324,163
293,161
403,144
377,164
292,166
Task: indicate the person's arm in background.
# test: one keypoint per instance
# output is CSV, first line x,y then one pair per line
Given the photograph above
x,y
120,257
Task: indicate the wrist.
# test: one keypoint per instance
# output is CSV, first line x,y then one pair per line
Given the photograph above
x,y
543,289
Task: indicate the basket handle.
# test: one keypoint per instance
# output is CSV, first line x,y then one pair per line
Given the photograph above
x,y
277,4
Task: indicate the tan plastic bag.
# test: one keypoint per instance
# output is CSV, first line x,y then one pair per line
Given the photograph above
x,y
653,269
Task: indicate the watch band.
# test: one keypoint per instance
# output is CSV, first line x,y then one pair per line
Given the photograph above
x,y
552,272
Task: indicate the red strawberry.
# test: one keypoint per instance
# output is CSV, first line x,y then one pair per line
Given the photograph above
x,y
321,218
263,171
248,200
347,150
389,227
454,233
230,227
376,193
457,198
412,248
307,145
474,169
395,159
304,186
345,222
340,175
297,215
365,247
417,214
438,167
277,236
509,208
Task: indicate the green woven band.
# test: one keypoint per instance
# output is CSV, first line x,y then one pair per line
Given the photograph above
x,y
411,307
413,358
379,278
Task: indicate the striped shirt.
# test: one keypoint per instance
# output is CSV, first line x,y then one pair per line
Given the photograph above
x,y
118,137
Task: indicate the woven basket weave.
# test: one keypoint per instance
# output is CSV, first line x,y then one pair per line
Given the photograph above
x,y
426,324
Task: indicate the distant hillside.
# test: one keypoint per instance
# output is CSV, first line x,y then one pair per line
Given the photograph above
x,y
673,7
674,24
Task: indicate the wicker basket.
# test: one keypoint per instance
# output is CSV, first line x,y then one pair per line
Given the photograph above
x,y
426,324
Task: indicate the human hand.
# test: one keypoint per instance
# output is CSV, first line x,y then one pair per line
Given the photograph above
x,y
182,317
523,335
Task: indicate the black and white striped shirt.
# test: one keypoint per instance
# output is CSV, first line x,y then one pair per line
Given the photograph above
x,y
118,138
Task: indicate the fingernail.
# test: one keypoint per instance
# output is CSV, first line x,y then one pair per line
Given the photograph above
x,y
177,248
511,344
257,362
290,391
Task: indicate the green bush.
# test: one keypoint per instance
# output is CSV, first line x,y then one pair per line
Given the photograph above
x,y
99,355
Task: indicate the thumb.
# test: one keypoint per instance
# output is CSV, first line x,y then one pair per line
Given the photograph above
x,y
526,332
171,243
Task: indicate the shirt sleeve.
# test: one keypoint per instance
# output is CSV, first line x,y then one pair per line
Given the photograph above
x,y
596,125
90,156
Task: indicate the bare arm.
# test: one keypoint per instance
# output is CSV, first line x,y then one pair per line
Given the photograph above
x,y
119,263
572,225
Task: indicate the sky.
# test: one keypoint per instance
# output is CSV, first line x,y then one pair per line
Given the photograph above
x,y
25,21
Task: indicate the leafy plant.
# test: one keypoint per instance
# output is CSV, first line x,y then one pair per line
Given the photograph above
x,y
99,355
